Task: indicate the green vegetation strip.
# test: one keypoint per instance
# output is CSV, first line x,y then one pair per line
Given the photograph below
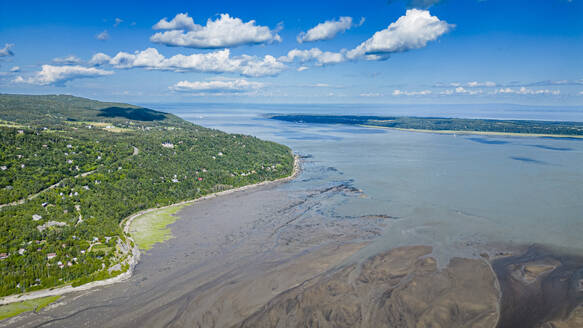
x,y
37,304
447,125
152,227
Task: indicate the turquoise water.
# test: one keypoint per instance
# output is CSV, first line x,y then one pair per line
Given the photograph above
x,y
461,194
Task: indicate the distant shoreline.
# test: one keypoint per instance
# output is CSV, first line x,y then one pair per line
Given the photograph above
x,y
521,128
135,257
487,133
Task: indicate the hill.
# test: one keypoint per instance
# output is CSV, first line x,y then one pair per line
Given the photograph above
x,y
71,169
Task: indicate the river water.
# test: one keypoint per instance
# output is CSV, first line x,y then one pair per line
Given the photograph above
x,y
461,194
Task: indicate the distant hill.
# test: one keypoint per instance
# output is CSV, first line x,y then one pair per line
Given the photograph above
x,y
71,169
54,109
438,124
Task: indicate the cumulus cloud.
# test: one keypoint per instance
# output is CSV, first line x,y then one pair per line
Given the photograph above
x,y
213,62
224,32
216,86
474,84
527,91
58,75
411,93
327,30
461,90
179,22
102,36
371,94
68,60
554,82
314,54
99,59
6,51
15,69
412,31
117,22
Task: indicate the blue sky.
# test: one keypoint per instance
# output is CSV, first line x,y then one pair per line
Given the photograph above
x,y
415,51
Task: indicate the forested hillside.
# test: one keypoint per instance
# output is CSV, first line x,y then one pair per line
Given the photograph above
x,y
71,169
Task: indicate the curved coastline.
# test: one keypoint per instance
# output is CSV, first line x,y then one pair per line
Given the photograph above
x,y
135,256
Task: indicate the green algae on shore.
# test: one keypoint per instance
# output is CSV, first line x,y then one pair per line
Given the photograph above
x,y
37,304
152,228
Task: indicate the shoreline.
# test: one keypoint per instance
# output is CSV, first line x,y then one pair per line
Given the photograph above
x,y
486,133
135,257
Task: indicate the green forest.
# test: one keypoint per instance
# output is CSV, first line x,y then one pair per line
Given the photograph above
x,y
556,128
71,169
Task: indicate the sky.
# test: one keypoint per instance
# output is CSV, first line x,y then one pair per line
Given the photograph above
x,y
377,52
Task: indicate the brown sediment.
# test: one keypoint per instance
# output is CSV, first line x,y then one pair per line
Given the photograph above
x,y
540,288
400,288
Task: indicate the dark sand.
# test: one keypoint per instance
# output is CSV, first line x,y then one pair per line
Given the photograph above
x,y
540,288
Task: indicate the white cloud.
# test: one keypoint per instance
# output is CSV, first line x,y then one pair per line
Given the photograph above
x,y
50,74
179,22
117,22
327,30
99,59
314,54
411,31
580,93
303,68
102,36
371,94
461,90
67,60
212,62
5,52
217,86
527,91
224,32
411,93
551,83
474,84
15,69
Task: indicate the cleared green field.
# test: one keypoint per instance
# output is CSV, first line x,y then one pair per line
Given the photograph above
x,y
152,228
37,304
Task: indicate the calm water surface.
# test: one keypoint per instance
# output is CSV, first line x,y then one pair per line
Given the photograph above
x,y
457,193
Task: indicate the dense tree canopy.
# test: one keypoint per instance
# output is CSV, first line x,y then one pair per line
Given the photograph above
x,y
70,174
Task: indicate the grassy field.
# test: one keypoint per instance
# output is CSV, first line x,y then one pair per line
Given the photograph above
x,y
152,228
37,304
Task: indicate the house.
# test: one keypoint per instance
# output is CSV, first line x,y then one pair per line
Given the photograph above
x,y
51,256
3,256
36,217
167,145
